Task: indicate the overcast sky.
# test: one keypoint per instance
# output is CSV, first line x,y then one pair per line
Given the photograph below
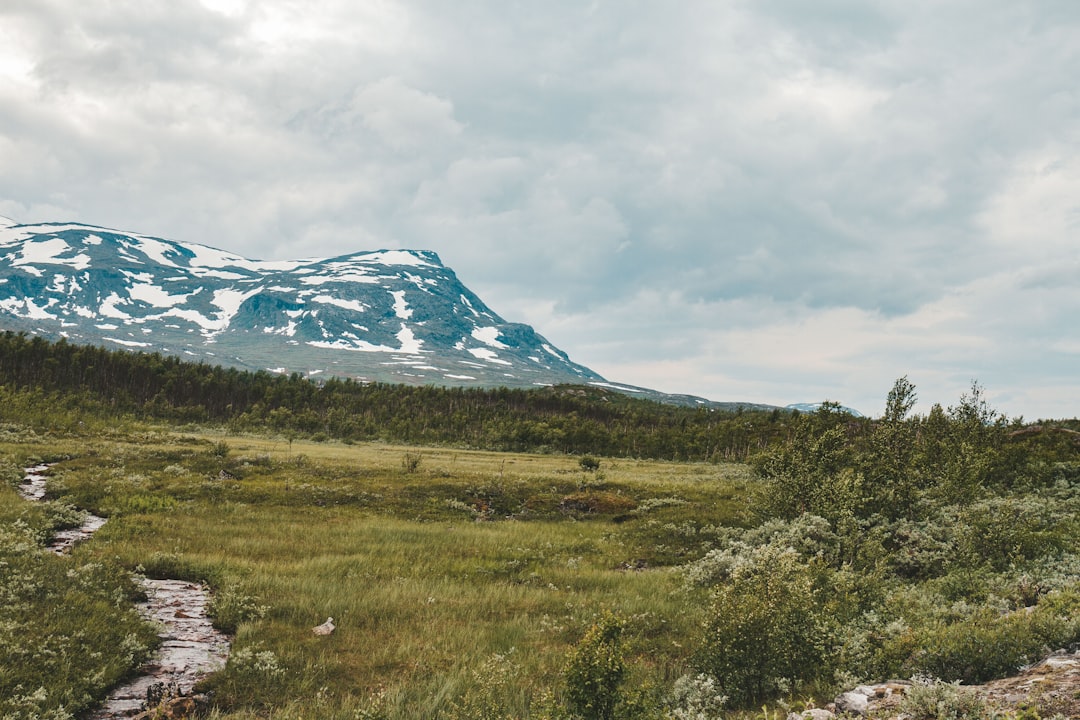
x,y
761,200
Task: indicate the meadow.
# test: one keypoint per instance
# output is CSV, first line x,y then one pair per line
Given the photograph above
x,y
440,567
476,584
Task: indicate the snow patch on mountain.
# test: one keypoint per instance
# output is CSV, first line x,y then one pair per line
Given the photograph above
x,y
109,307
395,257
350,277
488,336
488,355
354,305
401,307
157,296
621,388
128,343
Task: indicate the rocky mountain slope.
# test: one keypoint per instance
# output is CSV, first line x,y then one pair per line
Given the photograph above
x,y
387,315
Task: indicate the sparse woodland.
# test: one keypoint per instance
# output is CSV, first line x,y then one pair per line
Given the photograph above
x,y
695,564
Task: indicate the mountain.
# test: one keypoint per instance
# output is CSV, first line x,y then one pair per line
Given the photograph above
x,y
814,407
386,315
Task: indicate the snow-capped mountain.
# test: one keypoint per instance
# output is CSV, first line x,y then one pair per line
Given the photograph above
x,y
386,315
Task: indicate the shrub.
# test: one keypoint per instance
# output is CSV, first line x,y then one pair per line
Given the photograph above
x,y
488,692
768,629
808,535
989,645
229,607
696,697
1005,530
410,462
589,464
932,699
595,669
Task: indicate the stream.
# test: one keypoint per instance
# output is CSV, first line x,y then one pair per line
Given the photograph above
x,y
190,647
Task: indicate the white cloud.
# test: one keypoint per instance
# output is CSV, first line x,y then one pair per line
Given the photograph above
x,y
1036,211
403,117
779,200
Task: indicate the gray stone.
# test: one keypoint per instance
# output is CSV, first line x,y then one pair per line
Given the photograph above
x,y
853,702
813,714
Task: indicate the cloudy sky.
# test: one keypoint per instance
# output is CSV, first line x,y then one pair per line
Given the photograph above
x,y
761,200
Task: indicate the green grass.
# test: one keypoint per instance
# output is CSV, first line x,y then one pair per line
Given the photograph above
x,y
67,628
460,581
431,572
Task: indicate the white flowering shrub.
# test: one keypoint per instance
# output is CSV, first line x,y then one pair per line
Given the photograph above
x,y
931,699
255,662
696,697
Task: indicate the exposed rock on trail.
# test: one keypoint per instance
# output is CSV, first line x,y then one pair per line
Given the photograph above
x,y
33,488
1052,687
190,649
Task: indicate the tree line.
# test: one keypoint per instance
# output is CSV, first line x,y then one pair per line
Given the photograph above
x,y
95,381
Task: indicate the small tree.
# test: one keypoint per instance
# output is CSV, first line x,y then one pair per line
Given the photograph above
x,y
589,463
767,630
595,670
410,462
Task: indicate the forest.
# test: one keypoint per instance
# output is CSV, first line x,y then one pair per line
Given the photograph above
x,y
562,419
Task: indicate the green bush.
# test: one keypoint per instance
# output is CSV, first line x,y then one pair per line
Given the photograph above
x,y
410,462
589,464
990,645
932,699
768,630
696,697
230,606
595,670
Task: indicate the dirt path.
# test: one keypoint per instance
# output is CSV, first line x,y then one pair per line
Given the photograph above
x,y
190,648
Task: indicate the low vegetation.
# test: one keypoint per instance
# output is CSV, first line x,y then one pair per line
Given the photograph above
x,y
474,584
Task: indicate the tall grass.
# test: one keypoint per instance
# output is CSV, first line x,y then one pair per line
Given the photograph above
x,y
67,628
431,572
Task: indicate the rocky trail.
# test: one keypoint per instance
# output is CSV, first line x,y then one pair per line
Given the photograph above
x,y
190,647
1050,687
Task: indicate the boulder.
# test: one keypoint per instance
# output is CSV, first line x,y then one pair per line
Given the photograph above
x,y
812,714
853,702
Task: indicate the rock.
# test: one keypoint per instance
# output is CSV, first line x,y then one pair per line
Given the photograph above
x,y
853,702
327,628
171,709
812,714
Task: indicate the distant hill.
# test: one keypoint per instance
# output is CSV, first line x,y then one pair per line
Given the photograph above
x,y
814,407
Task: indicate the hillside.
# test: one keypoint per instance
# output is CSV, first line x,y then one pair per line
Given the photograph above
x,y
384,315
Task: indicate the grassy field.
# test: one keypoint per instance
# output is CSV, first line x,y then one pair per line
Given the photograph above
x,y
456,578
481,585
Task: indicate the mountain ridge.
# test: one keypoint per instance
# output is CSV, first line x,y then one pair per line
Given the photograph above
x,y
382,315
